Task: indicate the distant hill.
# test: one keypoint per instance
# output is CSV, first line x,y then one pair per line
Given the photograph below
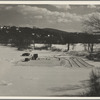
x,y
56,30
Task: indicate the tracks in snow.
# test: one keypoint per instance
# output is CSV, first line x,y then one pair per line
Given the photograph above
x,y
77,62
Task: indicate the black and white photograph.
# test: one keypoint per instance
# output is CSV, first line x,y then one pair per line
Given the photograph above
x,y
50,50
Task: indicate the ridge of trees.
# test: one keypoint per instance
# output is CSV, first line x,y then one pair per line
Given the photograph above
x,y
22,37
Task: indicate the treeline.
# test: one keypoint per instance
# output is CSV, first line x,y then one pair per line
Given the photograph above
x,y
22,37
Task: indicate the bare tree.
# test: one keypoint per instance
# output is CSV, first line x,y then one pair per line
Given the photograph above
x,y
91,24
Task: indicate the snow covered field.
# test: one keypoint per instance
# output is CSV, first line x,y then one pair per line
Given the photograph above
x,y
52,77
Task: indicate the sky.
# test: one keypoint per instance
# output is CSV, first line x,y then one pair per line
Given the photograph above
x,y
63,17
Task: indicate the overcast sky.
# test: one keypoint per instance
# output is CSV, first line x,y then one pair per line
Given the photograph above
x,y
62,17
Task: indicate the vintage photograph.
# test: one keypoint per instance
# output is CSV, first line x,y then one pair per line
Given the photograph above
x,y
50,50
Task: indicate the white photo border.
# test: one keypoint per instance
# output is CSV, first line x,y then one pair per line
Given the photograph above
x,y
53,3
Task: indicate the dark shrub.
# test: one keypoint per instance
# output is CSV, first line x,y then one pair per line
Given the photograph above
x,y
41,48
25,54
35,56
27,59
56,49
94,56
94,84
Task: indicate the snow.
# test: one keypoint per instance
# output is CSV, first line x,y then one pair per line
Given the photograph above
x,y
38,78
